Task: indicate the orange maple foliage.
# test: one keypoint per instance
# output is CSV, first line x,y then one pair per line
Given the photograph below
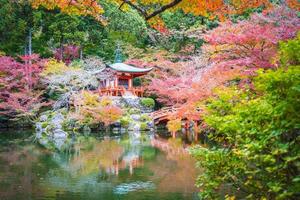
x,y
90,109
295,4
76,7
208,8
220,9
158,24
152,8
174,126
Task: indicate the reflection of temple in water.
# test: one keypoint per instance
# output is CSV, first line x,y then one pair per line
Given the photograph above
x,y
123,164
130,159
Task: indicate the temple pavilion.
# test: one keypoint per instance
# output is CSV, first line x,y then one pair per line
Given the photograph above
x,y
121,84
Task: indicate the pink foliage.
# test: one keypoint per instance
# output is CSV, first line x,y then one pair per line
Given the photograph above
x,y
233,48
192,85
252,43
169,88
17,84
67,54
162,65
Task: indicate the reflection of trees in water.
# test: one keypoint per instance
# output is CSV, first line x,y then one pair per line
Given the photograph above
x,y
173,146
132,156
92,165
174,170
106,157
99,155
16,173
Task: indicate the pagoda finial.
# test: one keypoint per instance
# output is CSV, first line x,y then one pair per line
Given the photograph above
x,y
118,54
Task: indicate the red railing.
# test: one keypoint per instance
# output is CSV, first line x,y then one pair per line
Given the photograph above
x,y
163,113
120,91
137,91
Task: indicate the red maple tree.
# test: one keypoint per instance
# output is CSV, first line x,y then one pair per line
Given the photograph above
x,y
19,95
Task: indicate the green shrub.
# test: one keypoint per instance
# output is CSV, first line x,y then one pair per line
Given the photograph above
x,y
257,133
289,51
144,126
125,122
148,102
133,111
145,118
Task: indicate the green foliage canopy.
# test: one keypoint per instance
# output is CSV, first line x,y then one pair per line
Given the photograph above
x,y
257,132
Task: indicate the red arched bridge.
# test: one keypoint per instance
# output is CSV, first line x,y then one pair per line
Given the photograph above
x,y
163,114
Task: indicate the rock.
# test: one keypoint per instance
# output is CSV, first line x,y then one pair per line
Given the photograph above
x,y
117,124
43,141
123,130
137,127
116,130
38,135
86,130
57,121
59,134
58,143
62,102
57,118
150,124
49,130
38,127
135,117
146,110
43,118
133,102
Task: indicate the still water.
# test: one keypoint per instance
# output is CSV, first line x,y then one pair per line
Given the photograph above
x,y
131,166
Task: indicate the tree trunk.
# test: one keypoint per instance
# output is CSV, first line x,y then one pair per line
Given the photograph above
x,y
174,134
81,52
107,129
196,129
30,42
30,62
25,49
61,48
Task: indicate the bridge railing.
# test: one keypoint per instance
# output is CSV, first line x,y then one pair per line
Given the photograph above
x,y
163,113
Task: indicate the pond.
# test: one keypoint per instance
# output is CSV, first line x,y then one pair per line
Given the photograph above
x,y
129,166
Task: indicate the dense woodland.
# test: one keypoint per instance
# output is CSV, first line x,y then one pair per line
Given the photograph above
x,y
231,69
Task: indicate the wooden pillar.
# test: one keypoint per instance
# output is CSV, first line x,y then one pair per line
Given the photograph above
x,y
117,168
117,82
174,134
130,82
130,168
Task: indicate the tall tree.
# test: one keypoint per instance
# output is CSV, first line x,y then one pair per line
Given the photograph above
x,y
16,27
19,96
233,50
252,43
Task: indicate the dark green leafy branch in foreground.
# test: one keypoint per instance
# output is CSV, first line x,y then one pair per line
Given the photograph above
x,y
257,132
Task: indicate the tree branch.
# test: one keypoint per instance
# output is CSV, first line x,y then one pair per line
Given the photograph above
x,y
163,8
154,13
139,9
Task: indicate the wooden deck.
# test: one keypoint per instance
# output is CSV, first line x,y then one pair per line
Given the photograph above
x,y
120,91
